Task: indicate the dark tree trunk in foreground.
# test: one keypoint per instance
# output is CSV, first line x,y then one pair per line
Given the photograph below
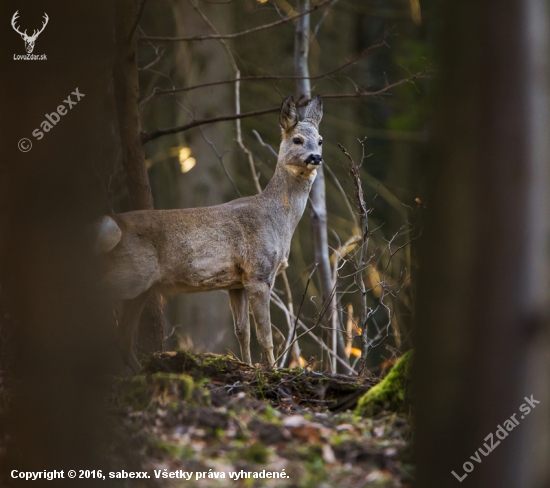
x,y
482,328
151,326
60,346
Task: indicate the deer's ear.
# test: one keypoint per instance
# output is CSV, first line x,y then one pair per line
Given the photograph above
x,y
288,117
314,111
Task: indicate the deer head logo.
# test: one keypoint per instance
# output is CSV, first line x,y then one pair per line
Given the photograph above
x,y
29,40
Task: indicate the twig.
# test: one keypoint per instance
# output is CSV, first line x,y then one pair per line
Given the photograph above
x,y
359,279
343,193
159,53
325,347
150,136
292,334
320,23
388,86
236,34
240,138
213,146
264,144
324,308
337,255
290,305
138,17
237,96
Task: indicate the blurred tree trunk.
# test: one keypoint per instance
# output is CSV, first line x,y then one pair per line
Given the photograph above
x,y
60,345
482,330
318,206
126,81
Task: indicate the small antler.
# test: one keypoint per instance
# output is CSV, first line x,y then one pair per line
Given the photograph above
x,y
37,33
13,19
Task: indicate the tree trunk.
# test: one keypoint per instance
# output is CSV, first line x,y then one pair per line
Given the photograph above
x,y
482,331
318,206
60,344
126,82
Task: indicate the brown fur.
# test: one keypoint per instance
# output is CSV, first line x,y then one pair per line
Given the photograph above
x,y
239,246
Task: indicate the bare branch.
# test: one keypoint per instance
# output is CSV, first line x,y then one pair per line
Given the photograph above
x,y
236,34
359,279
323,17
160,54
149,136
291,335
364,93
214,148
138,17
323,346
364,54
237,96
264,144
343,193
240,141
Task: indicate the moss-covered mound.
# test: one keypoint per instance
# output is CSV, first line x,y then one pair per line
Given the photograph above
x,y
298,386
198,366
392,393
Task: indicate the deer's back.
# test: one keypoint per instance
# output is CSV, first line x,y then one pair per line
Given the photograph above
x,y
198,249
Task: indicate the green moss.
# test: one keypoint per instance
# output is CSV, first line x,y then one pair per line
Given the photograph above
x,y
165,388
392,393
170,388
198,366
256,453
134,393
184,452
271,415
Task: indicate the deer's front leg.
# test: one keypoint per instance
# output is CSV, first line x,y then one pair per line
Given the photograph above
x,y
239,308
127,326
258,294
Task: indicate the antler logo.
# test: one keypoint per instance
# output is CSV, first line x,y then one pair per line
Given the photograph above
x,y
29,40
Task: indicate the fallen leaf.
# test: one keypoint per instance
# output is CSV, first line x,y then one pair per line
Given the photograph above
x,y
328,454
294,421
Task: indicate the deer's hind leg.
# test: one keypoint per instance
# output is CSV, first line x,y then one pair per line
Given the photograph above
x,y
131,311
238,300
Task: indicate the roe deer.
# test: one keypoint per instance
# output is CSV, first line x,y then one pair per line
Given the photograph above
x,y
239,246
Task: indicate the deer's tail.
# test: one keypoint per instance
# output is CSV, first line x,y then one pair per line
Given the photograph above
x,y
108,235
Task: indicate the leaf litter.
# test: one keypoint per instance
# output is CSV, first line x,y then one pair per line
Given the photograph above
x,y
201,412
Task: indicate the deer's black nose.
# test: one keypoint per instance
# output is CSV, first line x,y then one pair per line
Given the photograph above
x,y
314,159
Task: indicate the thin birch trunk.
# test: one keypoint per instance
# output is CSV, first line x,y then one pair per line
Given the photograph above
x,y
318,208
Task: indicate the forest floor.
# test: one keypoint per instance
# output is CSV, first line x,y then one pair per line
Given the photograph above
x,y
223,422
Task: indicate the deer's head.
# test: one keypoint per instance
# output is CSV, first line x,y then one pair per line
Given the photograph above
x,y
29,40
301,148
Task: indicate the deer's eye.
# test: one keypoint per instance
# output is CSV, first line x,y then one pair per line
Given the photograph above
x,y
297,140
320,142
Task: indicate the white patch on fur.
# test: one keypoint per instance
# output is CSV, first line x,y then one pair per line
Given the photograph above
x,y
108,235
307,173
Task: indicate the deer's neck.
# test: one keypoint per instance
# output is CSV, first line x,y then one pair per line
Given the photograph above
x,y
286,195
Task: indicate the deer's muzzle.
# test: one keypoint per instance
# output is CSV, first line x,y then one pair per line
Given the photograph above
x,y
315,159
